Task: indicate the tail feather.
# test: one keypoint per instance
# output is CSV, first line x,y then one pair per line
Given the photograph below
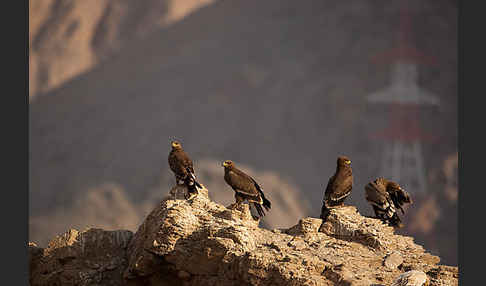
x,y
259,209
400,198
324,211
387,213
192,179
191,187
404,197
395,221
266,203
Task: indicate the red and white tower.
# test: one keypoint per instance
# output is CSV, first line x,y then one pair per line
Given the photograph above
x,y
402,159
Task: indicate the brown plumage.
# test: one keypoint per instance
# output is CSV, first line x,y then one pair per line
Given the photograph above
x,y
339,186
245,187
182,166
386,197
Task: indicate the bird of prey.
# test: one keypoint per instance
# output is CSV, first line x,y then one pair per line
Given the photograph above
x,y
386,197
339,186
183,169
245,187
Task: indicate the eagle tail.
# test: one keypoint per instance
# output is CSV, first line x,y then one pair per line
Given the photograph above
x,y
266,203
324,211
395,221
191,189
259,209
400,198
192,186
197,184
404,197
192,179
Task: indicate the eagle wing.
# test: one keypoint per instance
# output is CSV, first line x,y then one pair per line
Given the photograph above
x,y
378,196
180,163
247,188
399,198
242,183
259,189
376,193
341,186
329,188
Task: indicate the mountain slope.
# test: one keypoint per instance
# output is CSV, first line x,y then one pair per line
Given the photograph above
x,y
274,85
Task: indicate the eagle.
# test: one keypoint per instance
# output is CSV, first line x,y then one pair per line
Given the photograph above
x,y
386,197
183,168
339,186
245,187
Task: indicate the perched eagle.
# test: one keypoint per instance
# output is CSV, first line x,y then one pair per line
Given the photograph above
x,y
245,187
183,169
386,197
339,186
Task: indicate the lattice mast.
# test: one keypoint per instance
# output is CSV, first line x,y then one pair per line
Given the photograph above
x,y
402,158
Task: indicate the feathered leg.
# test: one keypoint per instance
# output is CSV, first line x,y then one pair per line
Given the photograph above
x,y
237,203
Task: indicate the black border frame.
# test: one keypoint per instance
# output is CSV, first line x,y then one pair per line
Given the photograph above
x,y
15,143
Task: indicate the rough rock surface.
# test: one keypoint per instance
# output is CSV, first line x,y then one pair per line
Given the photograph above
x,y
411,278
200,242
91,257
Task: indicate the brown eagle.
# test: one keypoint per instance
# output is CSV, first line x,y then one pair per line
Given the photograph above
x,y
183,169
245,187
386,197
339,186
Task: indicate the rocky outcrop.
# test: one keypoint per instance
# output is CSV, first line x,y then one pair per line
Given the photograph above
x,y
200,242
89,207
91,257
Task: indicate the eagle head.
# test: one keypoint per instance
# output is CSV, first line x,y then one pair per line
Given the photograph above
x,y
393,185
227,163
343,161
176,145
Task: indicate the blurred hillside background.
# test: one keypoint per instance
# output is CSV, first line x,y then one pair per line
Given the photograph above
x,y
279,87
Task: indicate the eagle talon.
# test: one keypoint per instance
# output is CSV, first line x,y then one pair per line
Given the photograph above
x,y
233,206
190,196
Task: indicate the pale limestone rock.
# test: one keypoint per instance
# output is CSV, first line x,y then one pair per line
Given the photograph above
x,y
411,278
200,242
393,260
